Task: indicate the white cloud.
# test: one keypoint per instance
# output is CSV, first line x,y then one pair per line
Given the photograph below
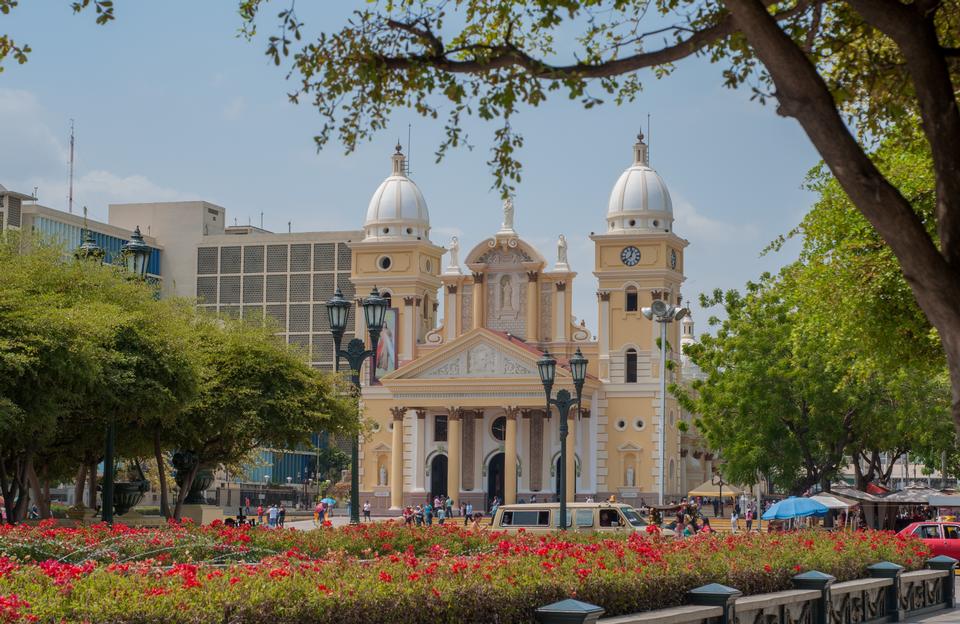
x,y
235,108
694,225
35,155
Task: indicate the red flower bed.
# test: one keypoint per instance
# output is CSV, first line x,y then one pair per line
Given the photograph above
x,y
442,574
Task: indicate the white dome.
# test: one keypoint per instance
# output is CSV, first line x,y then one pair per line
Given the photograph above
x,y
397,209
640,200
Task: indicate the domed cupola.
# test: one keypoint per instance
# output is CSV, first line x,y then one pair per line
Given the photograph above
x,y
640,201
397,210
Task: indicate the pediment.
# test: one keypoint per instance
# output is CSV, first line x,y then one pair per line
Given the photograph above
x,y
477,354
629,447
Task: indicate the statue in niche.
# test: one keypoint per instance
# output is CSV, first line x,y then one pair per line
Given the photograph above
x,y
383,475
454,252
562,250
507,214
630,482
506,294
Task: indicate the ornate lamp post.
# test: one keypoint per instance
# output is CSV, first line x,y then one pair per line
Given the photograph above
x,y
338,311
663,313
547,367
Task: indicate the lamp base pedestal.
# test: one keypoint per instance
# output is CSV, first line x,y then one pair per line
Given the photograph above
x,y
201,514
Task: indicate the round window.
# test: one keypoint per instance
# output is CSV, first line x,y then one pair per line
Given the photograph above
x,y
390,426
499,428
409,230
384,263
656,223
428,265
386,230
621,425
376,426
633,222
638,424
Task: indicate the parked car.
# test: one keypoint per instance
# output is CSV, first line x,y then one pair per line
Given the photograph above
x,y
943,538
585,517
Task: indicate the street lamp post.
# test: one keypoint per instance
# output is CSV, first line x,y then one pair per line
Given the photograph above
x,y
135,254
548,371
663,313
356,353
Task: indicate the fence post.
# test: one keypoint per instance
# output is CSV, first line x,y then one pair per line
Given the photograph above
x,y
943,562
569,611
886,569
820,582
717,595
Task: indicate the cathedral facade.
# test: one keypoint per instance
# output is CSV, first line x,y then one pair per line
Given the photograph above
x,y
456,406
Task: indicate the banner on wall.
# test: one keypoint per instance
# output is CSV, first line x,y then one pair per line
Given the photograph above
x,y
387,347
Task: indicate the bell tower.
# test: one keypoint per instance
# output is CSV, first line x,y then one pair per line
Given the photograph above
x,y
638,259
397,257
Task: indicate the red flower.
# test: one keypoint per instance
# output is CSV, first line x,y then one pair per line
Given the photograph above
x,y
385,577
767,568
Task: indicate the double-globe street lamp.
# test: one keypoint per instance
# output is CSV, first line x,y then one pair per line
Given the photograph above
x,y
135,255
338,312
663,313
548,371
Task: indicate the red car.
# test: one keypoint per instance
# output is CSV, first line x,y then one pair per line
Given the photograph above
x,y
943,538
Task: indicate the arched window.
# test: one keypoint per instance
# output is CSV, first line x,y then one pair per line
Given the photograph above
x,y
630,366
499,429
440,428
632,302
389,299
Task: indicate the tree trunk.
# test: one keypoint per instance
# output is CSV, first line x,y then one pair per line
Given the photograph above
x,y
803,95
79,486
92,494
184,491
161,475
43,505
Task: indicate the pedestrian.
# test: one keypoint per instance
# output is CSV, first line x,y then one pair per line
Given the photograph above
x,y
533,499
246,509
716,508
441,514
449,506
749,518
272,515
418,515
428,514
706,528
735,518
282,515
317,513
260,514
366,511
463,509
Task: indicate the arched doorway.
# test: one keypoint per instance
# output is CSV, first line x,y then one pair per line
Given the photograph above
x,y
495,479
438,476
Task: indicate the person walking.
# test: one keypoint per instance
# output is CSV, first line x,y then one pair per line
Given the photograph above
x,y
260,514
468,513
428,514
273,514
749,518
441,514
282,515
366,511
246,509
418,515
449,505
735,518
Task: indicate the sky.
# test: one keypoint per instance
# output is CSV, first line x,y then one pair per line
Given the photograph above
x,y
169,104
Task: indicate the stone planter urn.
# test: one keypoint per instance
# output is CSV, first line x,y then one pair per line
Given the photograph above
x,y
128,494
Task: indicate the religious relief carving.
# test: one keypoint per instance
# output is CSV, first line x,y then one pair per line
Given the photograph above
x,y
481,359
512,255
450,368
466,306
513,367
398,412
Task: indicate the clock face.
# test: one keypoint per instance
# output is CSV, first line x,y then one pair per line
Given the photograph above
x,y
673,258
630,256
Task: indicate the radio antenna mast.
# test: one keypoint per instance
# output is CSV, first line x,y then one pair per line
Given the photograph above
x,y
408,150
70,195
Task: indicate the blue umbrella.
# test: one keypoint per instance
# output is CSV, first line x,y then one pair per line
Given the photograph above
x,y
794,507
328,501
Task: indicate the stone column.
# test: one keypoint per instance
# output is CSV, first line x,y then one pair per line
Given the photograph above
x,y
453,453
479,299
450,312
534,467
533,307
571,456
418,450
408,330
396,459
510,457
560,318
603,335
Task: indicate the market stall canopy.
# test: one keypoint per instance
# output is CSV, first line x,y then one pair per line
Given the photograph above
x,y
855,494
831,502
912,495
794,507
943,500
708,489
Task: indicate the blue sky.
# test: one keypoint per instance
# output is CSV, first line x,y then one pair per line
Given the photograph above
x,y
170,104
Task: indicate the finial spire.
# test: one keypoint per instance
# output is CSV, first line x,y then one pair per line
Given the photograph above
x,y
641,152
399,161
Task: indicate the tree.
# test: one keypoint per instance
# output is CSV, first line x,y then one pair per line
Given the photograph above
x,y
254,391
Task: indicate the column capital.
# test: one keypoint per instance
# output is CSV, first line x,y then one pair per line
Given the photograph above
x,y
511,412
408,301
421,413
451,289
398,412
604,295
561,286
478,413
533,276
454,413
477,278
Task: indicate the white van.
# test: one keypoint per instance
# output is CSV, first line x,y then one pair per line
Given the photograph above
x,y
583,517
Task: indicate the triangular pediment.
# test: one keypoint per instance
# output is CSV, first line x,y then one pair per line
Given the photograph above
x,y
480,353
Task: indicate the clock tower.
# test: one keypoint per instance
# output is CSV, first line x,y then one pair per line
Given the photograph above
x,y
637,259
